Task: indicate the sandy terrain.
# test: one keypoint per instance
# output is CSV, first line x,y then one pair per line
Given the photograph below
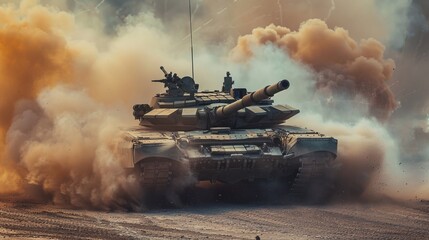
x,y
221,221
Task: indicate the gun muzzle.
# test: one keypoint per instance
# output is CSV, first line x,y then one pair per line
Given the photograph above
x,y
252,98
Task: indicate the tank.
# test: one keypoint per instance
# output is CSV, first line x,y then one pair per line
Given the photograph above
x,y
228,136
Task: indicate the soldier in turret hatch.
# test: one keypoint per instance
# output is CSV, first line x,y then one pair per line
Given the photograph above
x,y
227,83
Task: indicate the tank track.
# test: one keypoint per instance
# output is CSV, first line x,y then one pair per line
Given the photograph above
x,y
156,174
315,176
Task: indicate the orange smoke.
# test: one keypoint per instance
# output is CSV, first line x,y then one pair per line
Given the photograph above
x,y
343,65
63,101
56,140
33,55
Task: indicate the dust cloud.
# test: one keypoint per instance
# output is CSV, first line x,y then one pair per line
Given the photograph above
x,y
353,106
64,100
365,145
33,56
343,65
65,141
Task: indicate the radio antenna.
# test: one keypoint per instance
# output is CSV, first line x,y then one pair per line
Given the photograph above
x,y
192,44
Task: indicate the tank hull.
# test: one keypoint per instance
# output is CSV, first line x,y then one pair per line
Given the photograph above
x,y
297,156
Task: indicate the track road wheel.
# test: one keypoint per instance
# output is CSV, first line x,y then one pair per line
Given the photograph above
x,y
163,180
314,181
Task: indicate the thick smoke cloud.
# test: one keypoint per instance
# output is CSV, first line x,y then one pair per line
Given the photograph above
x,y
343,65
64,100
34,55
367,151
65,141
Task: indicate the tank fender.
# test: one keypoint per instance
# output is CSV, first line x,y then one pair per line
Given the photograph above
x,y
164,149
301,144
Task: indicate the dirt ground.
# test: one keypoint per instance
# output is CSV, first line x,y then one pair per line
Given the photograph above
x,y
220,221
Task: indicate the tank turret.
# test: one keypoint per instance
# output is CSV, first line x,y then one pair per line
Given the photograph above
x,y
182,108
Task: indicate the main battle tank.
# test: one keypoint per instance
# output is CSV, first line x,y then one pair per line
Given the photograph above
x,y
228,136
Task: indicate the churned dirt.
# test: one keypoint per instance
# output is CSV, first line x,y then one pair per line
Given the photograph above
x,y
220,221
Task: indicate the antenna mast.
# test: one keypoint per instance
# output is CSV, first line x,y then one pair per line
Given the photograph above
x,y
192,44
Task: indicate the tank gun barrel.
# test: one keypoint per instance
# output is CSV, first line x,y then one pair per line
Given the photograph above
x,y
159,80
168,77
252,98
163,70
